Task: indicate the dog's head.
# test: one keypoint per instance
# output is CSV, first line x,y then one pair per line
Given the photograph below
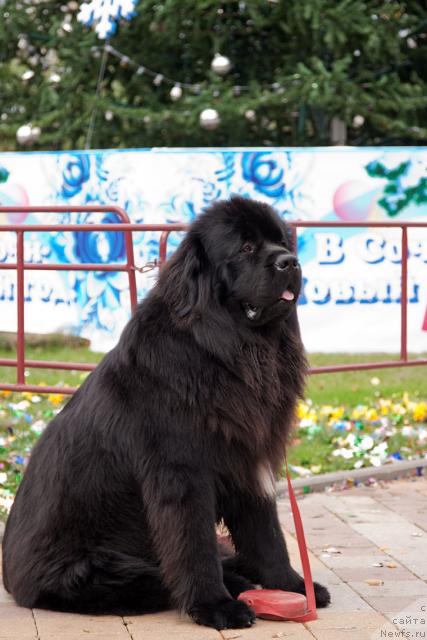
x,y
237,255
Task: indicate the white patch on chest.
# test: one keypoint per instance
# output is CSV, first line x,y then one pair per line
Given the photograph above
x,y
266,482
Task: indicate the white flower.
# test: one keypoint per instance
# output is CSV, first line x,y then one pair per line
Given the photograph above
x,y
367,443
344,453
3,477
21,406
38,426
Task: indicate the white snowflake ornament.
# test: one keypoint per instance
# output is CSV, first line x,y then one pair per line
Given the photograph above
x,y
104,14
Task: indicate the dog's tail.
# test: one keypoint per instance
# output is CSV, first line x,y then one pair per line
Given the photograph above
x,y
106,582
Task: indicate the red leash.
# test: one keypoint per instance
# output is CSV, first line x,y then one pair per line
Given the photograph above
x,y
305,562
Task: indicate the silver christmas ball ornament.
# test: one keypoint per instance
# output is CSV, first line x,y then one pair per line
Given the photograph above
x,y
175,93
35,133
27,134
209,119
221,65
54,78
27,75
358,121
23,135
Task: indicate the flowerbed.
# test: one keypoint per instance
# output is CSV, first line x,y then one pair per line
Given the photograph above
x,y
327,438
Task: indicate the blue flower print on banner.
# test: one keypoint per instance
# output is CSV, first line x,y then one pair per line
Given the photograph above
x,y
226,173
177,209
100,294
263,171
98,246
75,169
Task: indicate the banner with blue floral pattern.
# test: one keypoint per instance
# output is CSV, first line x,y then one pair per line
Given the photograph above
x,y
352,277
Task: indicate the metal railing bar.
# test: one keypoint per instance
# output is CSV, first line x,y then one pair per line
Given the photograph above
x,y
20,308
384,364
34,388
114,226
49,364
404,296
51,266
107,226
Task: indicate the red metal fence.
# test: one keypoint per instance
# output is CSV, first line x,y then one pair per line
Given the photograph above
x,y
125,226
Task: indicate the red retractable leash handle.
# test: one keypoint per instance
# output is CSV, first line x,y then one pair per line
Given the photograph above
x,y
274,604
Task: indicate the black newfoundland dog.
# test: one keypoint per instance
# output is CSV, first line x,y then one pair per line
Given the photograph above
x,y
182,425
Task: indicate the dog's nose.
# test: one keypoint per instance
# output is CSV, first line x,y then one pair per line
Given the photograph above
x,y
286,261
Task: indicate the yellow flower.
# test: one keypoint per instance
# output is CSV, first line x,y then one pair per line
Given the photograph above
x,y
372,414
302,410
420,412
358,412
56,398
337,413
5,393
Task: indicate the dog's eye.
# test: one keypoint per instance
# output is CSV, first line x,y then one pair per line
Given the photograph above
x,y
247,248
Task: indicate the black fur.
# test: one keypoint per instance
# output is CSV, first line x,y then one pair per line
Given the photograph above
x,y
179,427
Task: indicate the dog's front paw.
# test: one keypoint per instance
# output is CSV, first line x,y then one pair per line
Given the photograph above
x,y
226,614
321,593
323,597
294,582
236,584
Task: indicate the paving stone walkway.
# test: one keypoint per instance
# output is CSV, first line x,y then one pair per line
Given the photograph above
x,y
368,545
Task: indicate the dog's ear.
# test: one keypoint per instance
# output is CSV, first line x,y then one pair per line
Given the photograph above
x,y
186,280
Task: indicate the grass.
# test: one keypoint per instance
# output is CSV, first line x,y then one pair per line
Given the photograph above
x,y
355,387
393,415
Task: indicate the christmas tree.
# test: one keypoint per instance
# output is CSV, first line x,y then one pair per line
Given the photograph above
x,y
294,72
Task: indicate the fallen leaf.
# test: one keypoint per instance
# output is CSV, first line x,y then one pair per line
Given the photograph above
x,y
374,582
391,565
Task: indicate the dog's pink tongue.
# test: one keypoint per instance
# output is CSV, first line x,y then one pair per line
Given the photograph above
x,y
287,295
